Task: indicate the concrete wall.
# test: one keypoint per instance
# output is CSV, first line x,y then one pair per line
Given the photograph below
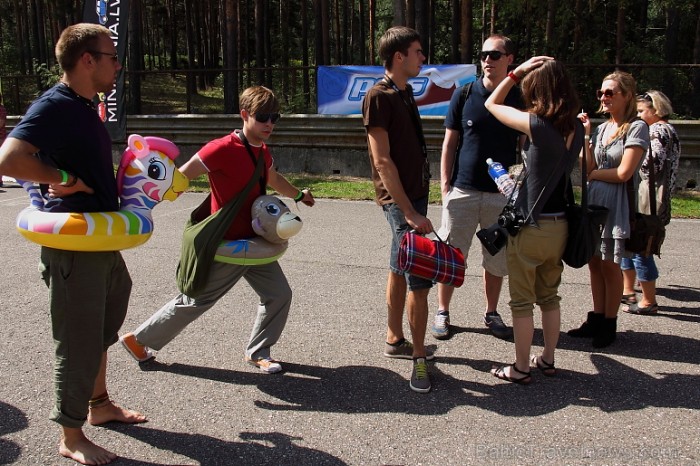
x,y
335,144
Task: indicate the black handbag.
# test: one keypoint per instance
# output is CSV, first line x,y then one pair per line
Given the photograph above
x,y
585,224
647,232
203,234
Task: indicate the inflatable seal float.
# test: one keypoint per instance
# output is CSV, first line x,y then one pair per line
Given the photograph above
x,y
146,176
274,223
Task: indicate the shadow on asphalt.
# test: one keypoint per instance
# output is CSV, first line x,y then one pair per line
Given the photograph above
x,y
639,345
680,293
616,387
272,448
11,420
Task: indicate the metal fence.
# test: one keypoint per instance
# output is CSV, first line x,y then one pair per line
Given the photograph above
x,y
165,91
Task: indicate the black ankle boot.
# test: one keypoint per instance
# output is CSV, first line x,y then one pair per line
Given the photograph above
x,y
589,328
606,333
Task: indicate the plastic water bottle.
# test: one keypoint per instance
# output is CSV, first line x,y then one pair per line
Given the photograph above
x,y
500,176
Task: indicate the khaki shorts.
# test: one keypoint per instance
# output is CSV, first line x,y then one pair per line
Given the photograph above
x,y
534,262
465,210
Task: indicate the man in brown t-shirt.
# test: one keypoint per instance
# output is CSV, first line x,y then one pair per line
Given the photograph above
x,y
401,176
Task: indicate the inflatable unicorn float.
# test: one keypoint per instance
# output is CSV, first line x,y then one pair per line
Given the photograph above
x,y
146,176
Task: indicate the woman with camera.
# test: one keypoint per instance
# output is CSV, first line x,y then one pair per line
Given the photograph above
x,y
613,156
555,139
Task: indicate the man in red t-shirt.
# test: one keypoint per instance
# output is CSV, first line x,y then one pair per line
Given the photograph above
x,y
230,162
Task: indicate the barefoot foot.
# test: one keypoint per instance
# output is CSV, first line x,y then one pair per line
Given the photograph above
x,y
109,412
76,446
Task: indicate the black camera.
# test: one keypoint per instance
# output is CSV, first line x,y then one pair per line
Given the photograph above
x,y
511,220
493,238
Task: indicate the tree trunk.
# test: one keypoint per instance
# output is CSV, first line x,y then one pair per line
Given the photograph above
x,y
372,7
549,28
135,58
318,33
400,12
336,32
325,27
695,101
620,32
466,36
230,15
456,26
260,40
191,62
410,14
173,27
285,18
670,48
306,85
19,37
421,21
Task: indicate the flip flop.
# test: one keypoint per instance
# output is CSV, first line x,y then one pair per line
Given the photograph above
x,y
500,372
642,311
546,368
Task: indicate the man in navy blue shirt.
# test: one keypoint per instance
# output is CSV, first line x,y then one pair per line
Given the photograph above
x,y
62,144
469,195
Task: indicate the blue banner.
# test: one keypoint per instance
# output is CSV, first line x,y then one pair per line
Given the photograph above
x,y
342,88
114,15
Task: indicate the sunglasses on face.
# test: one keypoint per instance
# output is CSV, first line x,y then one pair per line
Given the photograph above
x,y
607,93
265,117
494,54
113,56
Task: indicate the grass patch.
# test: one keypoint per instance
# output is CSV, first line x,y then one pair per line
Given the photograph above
x,y
684,204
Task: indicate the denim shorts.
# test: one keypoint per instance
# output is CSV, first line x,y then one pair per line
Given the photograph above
x,y
644,266
399,227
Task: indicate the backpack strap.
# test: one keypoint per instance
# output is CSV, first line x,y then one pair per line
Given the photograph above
x,y
463,96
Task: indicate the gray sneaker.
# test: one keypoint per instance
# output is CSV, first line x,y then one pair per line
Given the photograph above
x,y
441,325
495,324
404,351
420,380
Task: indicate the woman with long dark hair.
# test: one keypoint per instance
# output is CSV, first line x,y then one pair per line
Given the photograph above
x,y
555,138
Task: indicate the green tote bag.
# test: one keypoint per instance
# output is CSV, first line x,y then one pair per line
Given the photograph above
x,y
202,235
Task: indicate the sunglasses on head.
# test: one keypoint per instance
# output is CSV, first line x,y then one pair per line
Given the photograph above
x,y
265,117
607,93
646,97
494,54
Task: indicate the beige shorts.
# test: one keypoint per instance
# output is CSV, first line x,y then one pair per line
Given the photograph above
x,y
463,212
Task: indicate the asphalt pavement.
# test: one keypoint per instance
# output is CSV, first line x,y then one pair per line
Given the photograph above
x,y
339,401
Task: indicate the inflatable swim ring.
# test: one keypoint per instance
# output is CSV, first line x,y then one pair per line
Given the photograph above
x,y
147,175
275,224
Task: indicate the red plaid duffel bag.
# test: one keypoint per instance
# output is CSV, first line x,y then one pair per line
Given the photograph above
x,y
431,259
